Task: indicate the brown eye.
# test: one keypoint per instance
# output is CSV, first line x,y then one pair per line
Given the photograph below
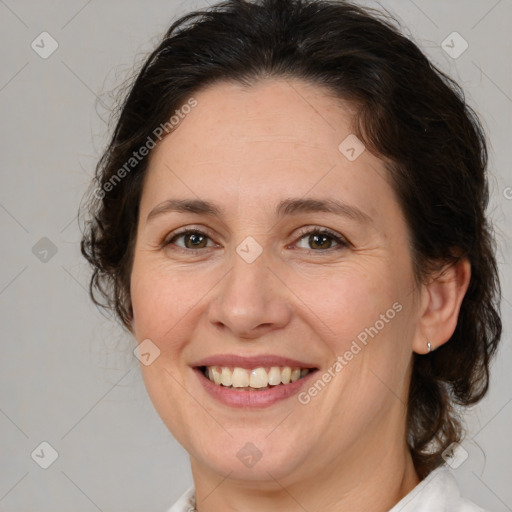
x,y
192,239
321,240
318,241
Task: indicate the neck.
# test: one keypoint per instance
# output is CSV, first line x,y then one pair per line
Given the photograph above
x,y
377,481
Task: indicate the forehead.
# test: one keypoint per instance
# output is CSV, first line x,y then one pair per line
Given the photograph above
x,y
273,113
276,138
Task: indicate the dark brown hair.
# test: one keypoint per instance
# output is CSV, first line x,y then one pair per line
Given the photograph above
x,y
409,114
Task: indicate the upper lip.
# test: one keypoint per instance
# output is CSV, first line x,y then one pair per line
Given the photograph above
x,y
250,362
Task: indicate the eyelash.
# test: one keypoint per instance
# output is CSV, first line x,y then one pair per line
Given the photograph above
x,y
342,242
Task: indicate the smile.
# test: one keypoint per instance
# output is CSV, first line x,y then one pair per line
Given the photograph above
x,y
252,380
256,378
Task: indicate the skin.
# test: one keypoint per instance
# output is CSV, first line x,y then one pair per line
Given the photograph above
x,y
246,149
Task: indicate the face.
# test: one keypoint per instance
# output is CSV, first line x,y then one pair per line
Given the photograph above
x,y
266,273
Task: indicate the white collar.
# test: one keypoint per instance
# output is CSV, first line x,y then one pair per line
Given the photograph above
x,y
438,492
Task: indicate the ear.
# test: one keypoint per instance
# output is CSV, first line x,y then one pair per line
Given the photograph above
x,y
440,305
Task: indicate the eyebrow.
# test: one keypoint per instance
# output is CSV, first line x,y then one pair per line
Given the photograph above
x,y
287,207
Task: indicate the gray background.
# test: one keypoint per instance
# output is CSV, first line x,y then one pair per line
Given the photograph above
x,y
68,375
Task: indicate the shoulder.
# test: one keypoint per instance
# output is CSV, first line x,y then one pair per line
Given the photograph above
x,y
438,492
186,502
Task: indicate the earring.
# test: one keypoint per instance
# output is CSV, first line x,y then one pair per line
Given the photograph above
x,y
429,347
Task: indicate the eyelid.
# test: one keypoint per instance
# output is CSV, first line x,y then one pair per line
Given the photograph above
x,y
340,239
185,231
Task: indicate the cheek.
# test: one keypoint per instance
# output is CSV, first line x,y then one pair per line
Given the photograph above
x,y
161,299
345,300
362,314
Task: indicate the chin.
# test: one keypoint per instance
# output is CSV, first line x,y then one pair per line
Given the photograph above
x,y
251,456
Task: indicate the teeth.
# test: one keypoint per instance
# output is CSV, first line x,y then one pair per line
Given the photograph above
x,y
295,374
226,377
239,378
256,378
274,376
259,378
286,373
215,374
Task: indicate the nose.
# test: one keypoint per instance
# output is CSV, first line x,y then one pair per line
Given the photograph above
x,y
251,300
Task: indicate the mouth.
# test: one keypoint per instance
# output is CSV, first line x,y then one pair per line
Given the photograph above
x,y
261,378
253,387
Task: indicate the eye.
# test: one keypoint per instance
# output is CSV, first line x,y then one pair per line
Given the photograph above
x,y
192,238
321,239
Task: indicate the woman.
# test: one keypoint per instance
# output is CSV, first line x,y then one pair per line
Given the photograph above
x,y
290,220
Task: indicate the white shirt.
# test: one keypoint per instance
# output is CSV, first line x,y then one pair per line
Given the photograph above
x,y
438,492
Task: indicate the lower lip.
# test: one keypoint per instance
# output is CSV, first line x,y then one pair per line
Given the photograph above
x,y
249,398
